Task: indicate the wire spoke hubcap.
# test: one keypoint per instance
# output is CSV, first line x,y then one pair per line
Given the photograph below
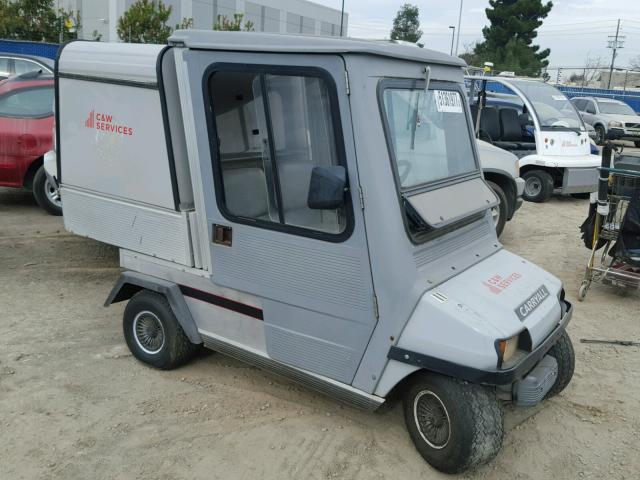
x,y
432,419
148,332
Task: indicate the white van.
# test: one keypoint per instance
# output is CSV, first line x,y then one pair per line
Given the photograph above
x,y
313,206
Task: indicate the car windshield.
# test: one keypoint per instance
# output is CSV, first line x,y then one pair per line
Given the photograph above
x,y
615,108
429,135
553,109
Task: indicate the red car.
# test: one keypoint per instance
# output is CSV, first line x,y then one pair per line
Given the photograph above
x,y
26,134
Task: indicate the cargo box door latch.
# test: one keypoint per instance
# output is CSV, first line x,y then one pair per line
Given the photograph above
x,y
222,235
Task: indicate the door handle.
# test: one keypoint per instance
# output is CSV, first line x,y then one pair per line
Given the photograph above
x,y
222,235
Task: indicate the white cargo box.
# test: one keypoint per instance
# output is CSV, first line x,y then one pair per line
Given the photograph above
x,y
125,180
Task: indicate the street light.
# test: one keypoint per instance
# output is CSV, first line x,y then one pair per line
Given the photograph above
x,y
459,20
453,36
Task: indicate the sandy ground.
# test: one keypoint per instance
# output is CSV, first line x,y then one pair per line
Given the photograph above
x,y
74,404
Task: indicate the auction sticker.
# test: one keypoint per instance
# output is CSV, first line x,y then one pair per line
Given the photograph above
x,y
448,101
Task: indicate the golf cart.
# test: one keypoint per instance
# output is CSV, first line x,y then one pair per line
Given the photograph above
x,y
313,206
537,123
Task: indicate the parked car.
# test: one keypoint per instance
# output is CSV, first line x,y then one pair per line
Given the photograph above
x,y
609,116
26,134
12,64
537,123
501,171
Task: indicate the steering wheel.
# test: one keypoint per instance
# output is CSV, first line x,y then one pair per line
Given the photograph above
x,y
404,168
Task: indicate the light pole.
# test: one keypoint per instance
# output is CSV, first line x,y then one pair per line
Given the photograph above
x,y
453,36
341,18
459,20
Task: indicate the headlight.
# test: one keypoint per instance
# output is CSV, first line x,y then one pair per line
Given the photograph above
x,y
506,348
615,124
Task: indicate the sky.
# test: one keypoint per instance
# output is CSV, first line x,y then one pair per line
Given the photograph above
x,y
574,29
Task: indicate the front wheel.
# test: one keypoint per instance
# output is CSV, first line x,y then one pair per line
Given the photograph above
x,y
563,352
454,425
600,135
46,194
499,212
538,186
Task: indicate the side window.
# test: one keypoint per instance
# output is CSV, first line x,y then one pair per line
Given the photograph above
x,y
272,131
5,71
25,66
580,103
590,107
32,102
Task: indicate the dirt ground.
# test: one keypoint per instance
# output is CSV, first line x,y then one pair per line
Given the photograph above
x,y
74,404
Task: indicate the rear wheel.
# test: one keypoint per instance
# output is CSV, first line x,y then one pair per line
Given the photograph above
x,y
637,143
454,425
47,196
152,332
499,212
538,186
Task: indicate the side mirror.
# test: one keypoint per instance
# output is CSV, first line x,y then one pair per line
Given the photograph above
x,y
327,188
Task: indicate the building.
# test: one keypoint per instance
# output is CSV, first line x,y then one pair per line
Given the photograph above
x,y
621,79
99,18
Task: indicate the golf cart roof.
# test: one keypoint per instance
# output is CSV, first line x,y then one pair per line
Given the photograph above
x,y
270,42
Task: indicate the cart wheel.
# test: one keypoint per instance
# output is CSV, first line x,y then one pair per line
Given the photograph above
x,y
538,186
563,352
153,333
582,291
454,425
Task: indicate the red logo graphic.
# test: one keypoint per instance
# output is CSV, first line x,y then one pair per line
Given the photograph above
x,y
106,123
497,284
90,123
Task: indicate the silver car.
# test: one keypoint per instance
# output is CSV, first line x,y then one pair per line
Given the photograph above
x,y
609,116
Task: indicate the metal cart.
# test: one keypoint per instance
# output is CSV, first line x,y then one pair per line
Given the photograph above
x,y
618,189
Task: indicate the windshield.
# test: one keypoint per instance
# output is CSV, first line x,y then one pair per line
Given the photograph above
x,y
615,108
429,135
553,109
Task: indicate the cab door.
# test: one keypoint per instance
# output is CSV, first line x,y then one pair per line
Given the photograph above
x,y
272,120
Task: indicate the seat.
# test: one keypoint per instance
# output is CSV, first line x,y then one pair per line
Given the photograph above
x,y
245,191
511,129
490,127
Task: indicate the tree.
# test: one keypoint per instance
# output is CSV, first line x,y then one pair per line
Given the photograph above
x,y
145,21
35,20
634,63
508,41
235,25
406,25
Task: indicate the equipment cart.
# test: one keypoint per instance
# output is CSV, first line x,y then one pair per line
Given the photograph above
x,y
613,225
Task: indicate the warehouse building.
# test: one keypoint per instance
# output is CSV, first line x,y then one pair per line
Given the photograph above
x,y
99,18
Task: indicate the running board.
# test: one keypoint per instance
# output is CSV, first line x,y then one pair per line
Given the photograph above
x,y
326,386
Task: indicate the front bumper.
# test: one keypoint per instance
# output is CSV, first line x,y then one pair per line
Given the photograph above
x,y
579,180
616,133
504,376
519,191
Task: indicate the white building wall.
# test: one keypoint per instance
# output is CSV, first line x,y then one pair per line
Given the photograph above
x,y
278,16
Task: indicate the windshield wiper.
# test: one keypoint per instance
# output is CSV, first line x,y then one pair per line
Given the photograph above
x,y
561,128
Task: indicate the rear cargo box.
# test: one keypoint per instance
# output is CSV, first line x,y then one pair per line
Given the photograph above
x,y
116,167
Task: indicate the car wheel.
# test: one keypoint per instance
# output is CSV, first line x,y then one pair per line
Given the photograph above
x,y
454,425
499,212
563,352
538,186
46,195
600,135
152,332
637,143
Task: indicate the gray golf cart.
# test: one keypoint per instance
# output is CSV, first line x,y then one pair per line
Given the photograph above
x,y
313,206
